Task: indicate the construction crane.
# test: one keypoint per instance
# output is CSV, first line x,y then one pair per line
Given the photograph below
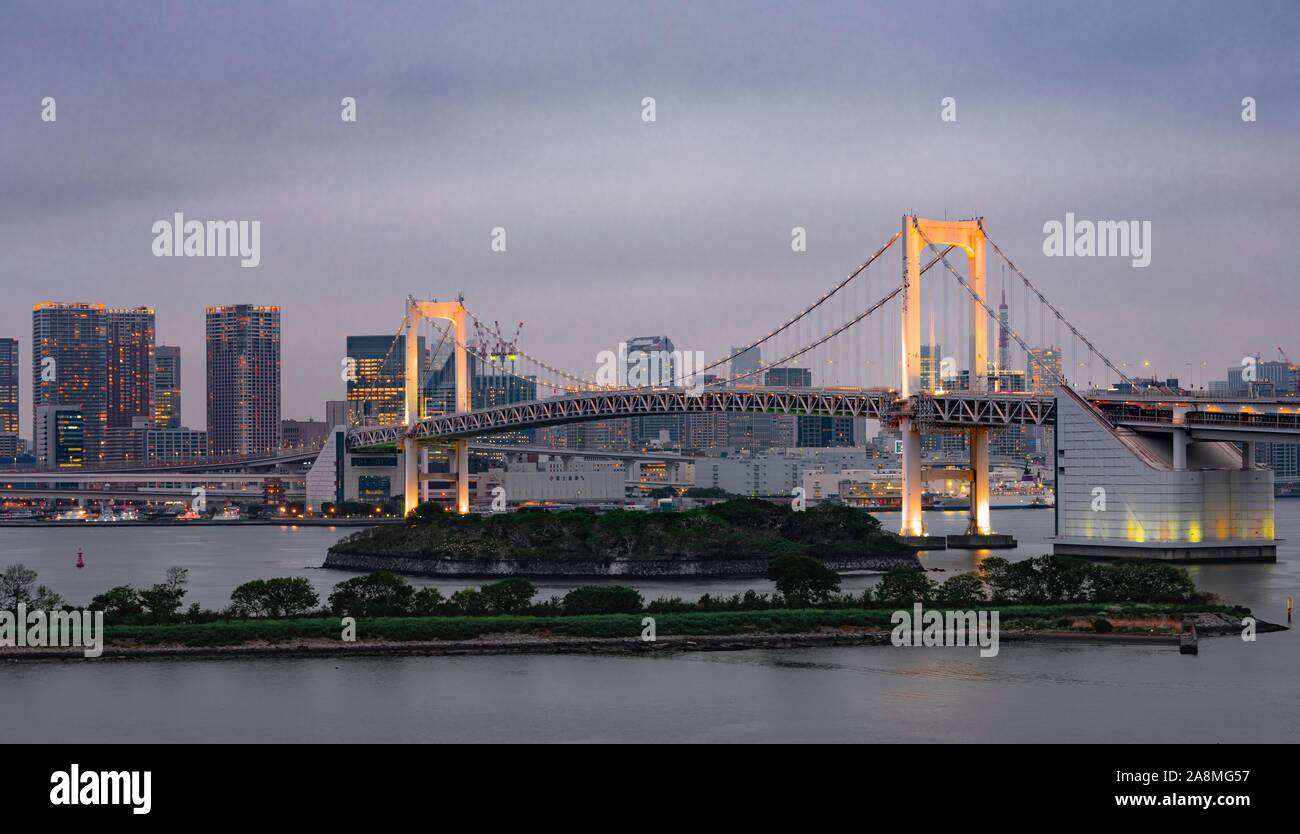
x,y
501,351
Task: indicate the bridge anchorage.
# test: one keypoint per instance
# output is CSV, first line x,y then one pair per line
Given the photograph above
x,y
1175,484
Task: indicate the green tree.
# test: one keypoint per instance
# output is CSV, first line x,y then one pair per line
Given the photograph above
x,y
379,594
509,596
803,580
118,603
602,599
468,601
163,601
282,596
1003,584
427,602
904,586
1142,582
18,584
963,590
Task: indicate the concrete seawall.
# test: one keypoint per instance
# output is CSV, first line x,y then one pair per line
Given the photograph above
x,y
593,569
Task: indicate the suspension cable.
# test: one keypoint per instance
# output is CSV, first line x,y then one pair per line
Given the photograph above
x,y
1042,298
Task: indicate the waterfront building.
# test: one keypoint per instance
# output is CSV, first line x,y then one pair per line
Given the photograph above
x,y
243,372
60,436
130,337
70,368
9,386
299,433
572,481
376,379
167,387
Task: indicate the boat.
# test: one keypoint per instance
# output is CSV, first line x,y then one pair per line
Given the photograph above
x,y
228,513
189,515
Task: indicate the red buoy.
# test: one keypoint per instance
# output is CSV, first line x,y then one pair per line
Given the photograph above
x,y
81,563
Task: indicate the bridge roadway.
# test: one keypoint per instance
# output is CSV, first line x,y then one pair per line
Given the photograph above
x,y
1208,418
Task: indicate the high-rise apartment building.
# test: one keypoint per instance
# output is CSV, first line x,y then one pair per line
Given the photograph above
x,y
243,346
60,434
167,387
9,386
130,335
1044,369
70,368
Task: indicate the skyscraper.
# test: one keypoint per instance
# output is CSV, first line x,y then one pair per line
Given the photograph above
x,y
8,386
243,342
1044,369
377,377
70,367
167,387
745,362
652,360
60,435
131,337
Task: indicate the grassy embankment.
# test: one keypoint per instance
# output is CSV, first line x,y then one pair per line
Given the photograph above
x,y
1146,618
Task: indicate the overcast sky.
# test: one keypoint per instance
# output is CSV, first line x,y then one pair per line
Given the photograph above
x,y
528,116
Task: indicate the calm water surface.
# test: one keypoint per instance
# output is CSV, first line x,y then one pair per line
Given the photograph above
x,y
1232,691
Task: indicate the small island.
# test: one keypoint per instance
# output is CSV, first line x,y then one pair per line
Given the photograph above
x,y
1039,599
732,538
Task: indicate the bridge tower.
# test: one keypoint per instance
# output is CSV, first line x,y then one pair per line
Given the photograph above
x,y
969,235
454,312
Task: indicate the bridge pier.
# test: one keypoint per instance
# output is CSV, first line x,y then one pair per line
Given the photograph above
x,y
411,469
913,524
460,464
979,483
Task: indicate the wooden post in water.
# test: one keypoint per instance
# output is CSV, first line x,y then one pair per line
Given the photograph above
x,y
1187,640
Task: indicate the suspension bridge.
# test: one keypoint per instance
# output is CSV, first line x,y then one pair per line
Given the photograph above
x,y
1177,468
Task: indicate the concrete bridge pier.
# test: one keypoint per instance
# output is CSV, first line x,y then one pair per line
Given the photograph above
x,y
979,532
411,470
460,465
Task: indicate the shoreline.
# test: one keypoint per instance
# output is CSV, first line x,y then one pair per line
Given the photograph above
x,y
524,644
615,568
618,646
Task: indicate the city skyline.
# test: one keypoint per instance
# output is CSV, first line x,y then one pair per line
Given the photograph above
x,y
665,227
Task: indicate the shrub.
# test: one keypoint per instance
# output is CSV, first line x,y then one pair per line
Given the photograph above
x,y
964,590
380,594
18,584
118,603
163,601
602,599
509,596
428,601
468,601
802,579
1101,625
904,586
283,596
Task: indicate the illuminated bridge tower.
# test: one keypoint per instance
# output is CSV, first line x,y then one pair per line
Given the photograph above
x,y
969,236
416,312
